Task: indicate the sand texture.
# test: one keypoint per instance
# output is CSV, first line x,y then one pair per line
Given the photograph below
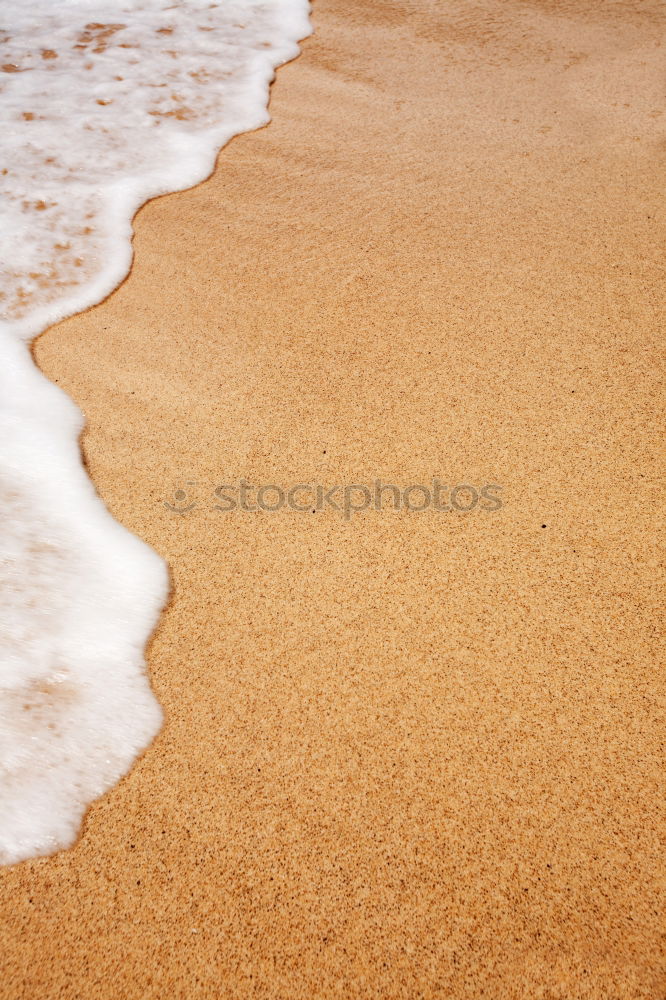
x,y
412,754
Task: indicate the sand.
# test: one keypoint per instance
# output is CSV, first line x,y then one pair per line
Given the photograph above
x,y
411,754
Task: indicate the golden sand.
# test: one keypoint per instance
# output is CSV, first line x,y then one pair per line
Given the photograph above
x,y
409,755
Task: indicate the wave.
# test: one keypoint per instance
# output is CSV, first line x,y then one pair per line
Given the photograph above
x,y
103,106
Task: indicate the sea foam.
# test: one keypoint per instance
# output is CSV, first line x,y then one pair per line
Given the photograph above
x,y
103,105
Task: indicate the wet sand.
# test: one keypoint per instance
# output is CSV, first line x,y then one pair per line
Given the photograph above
x,y
409,754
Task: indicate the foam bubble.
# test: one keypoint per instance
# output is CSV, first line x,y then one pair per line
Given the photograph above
x,y
104,105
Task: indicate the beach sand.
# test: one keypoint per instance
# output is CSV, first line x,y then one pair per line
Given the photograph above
x,y
412,754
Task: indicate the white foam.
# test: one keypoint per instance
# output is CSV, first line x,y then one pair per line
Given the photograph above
x,y
102,106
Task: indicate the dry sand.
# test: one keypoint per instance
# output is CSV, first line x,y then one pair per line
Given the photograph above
x,y
417,754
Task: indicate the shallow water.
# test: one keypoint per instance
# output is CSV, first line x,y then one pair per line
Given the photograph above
x,y
102,106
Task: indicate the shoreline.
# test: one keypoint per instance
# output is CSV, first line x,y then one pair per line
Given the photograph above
x,y
403,756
